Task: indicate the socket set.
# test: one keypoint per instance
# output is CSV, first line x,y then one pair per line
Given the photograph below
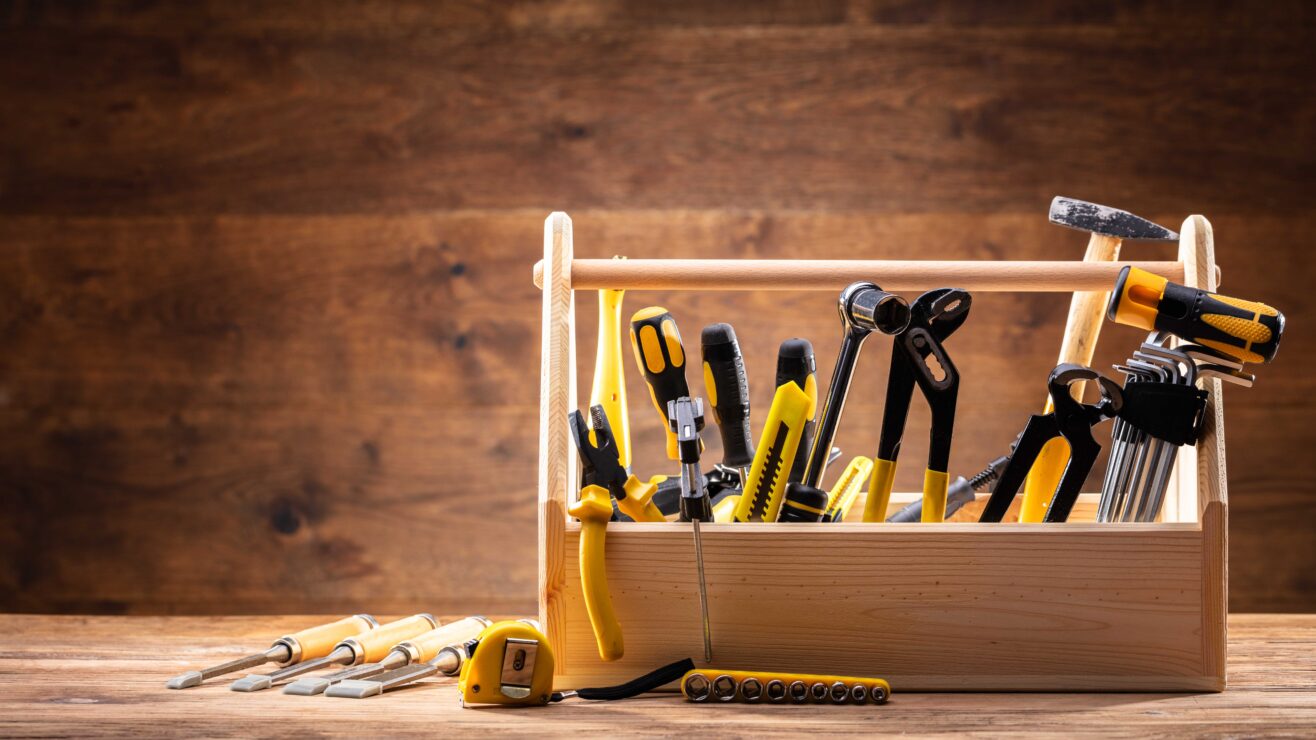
x,y
709,685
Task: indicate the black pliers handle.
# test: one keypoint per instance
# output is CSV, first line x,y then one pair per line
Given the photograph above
x,y
1073,420
919,358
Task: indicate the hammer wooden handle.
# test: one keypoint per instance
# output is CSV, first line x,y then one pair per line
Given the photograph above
x,y
894,275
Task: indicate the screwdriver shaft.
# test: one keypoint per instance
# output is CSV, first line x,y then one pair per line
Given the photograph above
x,y
703,592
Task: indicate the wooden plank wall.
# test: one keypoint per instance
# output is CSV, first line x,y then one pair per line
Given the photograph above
x,y
267,333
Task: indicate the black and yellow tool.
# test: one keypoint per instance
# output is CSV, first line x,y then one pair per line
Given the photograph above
x,y
661,357
728,395
919,358
846,489
308,644
796,364
366,647
609,386
1245,330
420,649
765,488
602,479
752,687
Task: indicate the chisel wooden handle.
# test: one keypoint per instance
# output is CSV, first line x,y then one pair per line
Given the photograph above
x,y
372,646
425,646
317,642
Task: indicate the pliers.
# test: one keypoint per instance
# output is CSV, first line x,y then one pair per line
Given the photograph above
x,y
1073,420
604,478
601,466
918,357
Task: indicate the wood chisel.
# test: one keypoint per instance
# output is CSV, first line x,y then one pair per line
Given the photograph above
x,y
796,364
728,395
656,341
420,649
609,385
315,642
365,647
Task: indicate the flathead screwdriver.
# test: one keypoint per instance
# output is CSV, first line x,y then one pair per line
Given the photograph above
x,y
308,644
366,647
418,649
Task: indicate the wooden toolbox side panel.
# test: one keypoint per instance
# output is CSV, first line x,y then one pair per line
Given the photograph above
x,y
928,607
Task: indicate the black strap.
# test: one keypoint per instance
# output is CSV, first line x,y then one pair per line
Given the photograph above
x,y
647,682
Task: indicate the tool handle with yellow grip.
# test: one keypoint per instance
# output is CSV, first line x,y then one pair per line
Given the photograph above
x,y
594,509
935,485
765,487
1043,477
1246,330
727,387
318,642
846,489
428,644
372,646
879,490
638,504
609,388
661,358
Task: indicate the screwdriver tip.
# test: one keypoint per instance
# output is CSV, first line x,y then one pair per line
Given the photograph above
x,y
354,689
184,680
251,683
306,687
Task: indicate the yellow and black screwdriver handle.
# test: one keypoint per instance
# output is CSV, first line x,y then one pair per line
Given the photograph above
x,y
661,357
1246,330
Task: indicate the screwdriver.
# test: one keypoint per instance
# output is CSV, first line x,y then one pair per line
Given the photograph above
x,y
796,364
661,357
686,416
315,642
365,647
419,649
1245,330
728,395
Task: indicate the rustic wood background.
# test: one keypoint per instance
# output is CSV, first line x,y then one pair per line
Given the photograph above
x,y
268,340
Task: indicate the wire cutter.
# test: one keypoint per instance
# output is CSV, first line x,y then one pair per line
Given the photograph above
x,y
600,463
1073,420
918,357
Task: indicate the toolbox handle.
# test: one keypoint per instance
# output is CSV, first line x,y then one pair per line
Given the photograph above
x,y
1058,276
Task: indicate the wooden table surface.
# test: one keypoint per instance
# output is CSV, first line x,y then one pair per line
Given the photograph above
x,y
85,676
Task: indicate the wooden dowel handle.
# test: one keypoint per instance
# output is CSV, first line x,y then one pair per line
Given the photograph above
x,y
894,275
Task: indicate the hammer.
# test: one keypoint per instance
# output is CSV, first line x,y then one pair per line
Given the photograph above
x,y
1108,227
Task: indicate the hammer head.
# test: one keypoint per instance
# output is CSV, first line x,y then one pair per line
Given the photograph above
x,y
1107,221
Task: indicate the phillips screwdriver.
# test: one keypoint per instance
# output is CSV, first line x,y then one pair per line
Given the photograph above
x,y
315,642
661,357
728,395
1246,330
365,647
796,364
686,416
419,649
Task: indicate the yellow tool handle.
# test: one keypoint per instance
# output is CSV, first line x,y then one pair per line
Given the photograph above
x,y
317,642
766,485
609,388
1246,330
725,509
594,509
661,358
638,504
428,644
846,490
1079,344
935,485
879,490
372,646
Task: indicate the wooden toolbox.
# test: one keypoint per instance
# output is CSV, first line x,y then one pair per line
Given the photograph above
x,y
933,607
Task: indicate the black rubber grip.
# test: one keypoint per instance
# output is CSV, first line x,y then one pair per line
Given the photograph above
x,y
803,504
728,393
795,363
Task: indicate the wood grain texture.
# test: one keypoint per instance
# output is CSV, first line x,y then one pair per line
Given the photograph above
x,y
98,676
264,266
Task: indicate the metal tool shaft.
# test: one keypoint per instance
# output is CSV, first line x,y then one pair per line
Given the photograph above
x,y
279,653
703,591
